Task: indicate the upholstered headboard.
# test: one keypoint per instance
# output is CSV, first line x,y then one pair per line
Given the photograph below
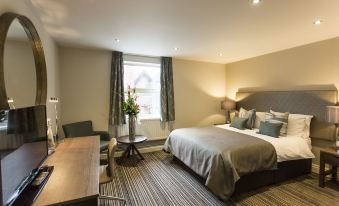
x,y
311,102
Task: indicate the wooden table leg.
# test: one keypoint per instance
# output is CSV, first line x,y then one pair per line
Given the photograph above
x,y
133,150
334,174
129,151
321,172
125,153
138,152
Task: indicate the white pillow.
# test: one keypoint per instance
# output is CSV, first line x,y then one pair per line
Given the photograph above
x,y
260,116
296,120
296,126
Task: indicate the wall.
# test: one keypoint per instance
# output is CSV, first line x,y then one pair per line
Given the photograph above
x,y
24,7
85,73
313,64
26,81
85,76
199,88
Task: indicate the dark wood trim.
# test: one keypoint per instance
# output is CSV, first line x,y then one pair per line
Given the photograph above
x,y
6,20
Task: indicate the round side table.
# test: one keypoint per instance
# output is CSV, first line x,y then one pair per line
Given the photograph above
x,y
131,148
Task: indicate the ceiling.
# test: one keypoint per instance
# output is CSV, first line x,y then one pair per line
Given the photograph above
x,y
200,29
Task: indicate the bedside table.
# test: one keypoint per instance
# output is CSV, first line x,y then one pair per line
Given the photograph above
x,y
328,156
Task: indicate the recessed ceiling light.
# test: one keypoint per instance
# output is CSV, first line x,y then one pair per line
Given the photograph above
x,y
176,48
317,22
117,40
256,1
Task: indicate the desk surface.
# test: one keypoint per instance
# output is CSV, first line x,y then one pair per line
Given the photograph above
x,y
76,172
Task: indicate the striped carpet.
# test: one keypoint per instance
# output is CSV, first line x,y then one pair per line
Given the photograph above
x,y
158,180
147,143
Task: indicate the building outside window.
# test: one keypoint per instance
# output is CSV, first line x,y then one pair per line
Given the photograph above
x,y
143,74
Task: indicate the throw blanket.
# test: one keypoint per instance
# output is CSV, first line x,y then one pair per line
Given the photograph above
x,y
221,156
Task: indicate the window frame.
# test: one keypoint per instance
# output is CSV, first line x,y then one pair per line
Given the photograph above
x,y
133,60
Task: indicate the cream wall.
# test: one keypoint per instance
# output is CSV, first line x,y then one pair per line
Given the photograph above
x,y
24,7
313,64
26,81
85,76
199,87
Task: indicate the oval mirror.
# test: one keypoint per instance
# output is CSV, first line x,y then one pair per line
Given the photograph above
x,y
23,76
19,68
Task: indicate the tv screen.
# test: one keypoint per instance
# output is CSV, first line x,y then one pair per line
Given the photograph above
x,y
23,148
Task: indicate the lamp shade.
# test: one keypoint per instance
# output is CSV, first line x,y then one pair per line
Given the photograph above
x,y
228,104
332,114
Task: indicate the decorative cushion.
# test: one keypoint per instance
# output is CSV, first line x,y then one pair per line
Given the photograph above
x,y
250,115
278,117
270,129
239,123
259,117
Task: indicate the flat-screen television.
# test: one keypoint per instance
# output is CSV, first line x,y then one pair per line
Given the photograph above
x,y
23,148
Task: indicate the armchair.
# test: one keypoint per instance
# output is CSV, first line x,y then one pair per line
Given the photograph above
x,y
85,128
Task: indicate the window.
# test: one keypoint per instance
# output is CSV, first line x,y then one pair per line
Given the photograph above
x,y
143,74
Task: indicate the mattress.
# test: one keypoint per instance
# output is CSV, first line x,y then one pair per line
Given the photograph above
x,y
287,148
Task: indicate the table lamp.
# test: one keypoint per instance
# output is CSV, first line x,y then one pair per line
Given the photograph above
x,y
228,105
332,116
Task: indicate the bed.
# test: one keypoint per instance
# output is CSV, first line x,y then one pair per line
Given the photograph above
x,y
232,161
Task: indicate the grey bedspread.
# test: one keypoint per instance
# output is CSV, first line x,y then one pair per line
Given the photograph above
x,y
220,156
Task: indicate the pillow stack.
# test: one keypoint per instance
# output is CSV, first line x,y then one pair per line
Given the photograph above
x,y
250,115
278,118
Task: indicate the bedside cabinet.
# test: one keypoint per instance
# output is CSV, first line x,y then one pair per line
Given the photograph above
x,y
328,156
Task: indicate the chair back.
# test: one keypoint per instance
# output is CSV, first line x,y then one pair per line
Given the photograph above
x,y
78,129
112,146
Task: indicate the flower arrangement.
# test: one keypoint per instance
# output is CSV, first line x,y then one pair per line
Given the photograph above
x,y
130,105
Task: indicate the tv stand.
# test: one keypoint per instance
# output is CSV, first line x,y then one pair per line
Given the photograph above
x,y
31,192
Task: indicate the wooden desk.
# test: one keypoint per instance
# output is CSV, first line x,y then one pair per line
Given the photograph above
x,y
75,179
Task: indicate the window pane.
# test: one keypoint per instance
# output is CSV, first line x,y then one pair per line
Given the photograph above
x,y
142,76
145,77
149,104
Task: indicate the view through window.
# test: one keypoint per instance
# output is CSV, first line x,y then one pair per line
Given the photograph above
x,y
145,78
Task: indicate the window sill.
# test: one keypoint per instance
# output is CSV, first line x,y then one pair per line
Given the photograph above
x,y
150,119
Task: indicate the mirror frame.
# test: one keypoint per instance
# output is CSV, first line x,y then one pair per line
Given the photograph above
x,y
6,20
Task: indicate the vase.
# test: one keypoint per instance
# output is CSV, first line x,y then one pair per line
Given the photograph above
x,y
131,126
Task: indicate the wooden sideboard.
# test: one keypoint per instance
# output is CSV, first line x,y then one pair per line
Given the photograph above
x,y
75,179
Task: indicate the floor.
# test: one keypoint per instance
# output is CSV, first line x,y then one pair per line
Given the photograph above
x,y
158,180
146,144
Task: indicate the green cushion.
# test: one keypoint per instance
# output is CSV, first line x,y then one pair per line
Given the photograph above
x,y
270,129
250,115
239,123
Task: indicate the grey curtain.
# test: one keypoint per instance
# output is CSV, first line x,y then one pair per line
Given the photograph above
x,y
167,91
116,116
